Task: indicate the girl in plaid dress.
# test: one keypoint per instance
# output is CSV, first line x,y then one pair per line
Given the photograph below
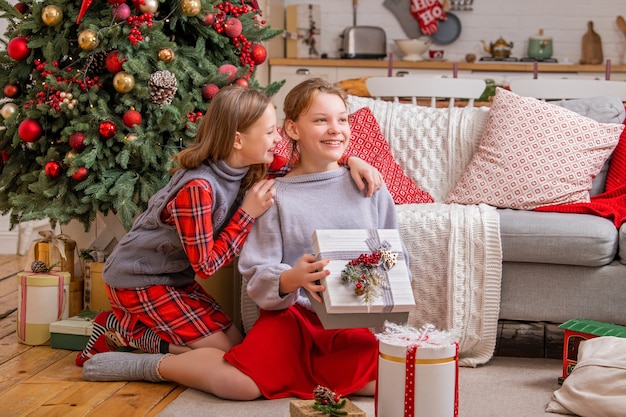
x,y
287,352
192,227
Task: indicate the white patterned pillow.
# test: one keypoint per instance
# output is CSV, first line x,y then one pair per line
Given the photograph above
x,y
534,154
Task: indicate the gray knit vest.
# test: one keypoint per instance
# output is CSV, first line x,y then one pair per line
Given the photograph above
x,y
151,253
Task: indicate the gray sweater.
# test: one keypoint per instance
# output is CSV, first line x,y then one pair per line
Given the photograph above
x,y
303,204
151,253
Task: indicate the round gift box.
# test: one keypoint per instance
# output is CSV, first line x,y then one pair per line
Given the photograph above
x,y
435,382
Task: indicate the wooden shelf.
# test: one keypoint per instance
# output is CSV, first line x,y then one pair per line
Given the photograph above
x,y
448,65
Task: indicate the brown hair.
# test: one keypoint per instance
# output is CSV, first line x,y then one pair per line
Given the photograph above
x,y
233,109
299,100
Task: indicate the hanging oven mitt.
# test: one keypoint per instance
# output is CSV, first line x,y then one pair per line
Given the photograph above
x,y
428,13
409,25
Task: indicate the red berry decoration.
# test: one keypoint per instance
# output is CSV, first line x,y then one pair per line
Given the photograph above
x,y
258,53
11,90
113,63
107,129
80,174
131,118
209,90
228,69
241,82
29,130
77,141
53,169
233,27
17,48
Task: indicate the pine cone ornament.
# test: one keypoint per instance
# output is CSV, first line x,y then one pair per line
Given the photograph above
x,y
39,267
162,87
96,64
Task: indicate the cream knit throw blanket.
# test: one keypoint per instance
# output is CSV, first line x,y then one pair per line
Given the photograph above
x,y
456,263
455,251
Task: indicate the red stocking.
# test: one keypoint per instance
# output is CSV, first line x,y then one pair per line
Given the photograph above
x,y
427,13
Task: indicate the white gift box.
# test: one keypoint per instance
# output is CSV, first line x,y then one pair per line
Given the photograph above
x,y
341,307
417,378
42,299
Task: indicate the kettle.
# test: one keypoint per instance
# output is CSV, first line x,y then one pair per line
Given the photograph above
x,y
539,46
499,48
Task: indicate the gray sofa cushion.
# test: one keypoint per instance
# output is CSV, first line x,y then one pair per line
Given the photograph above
x,y
605,109
557,238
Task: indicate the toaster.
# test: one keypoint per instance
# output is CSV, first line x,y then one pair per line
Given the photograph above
x,y
358,42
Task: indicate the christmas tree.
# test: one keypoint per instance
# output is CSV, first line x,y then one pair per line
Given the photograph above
x,y
99,96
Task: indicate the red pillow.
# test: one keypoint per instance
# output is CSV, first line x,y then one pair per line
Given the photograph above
x,y
368,143
616,175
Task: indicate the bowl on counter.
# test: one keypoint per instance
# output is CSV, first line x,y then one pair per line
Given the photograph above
x,y
413,49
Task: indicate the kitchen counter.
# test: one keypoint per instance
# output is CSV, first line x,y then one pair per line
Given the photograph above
x,y
486,66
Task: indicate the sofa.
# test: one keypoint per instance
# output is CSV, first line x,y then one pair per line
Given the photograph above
x,y
555,265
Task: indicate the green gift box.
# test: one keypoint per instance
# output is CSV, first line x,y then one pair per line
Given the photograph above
x,y
71,334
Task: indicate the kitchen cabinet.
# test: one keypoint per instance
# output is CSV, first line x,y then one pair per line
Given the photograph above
x,y
293,76
334,70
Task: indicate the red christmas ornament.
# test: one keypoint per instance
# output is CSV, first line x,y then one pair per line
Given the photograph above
x,y
228,69
233,27
241,82
207,20
107,129
17,48
11,90
112,62
258,53
77,141
209,90
83,9
29,130
53,169
121,12
4,154
80,174
116,2
21,7
131,118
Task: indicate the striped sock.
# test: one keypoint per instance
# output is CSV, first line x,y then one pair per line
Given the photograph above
x,y
107,336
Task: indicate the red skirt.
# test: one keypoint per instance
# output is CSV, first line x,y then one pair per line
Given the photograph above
x,y
288,353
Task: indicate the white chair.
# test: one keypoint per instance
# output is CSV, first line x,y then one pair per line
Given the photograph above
x,y
565,89
415,87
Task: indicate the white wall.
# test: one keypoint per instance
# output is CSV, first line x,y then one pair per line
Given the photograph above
x,y
515,20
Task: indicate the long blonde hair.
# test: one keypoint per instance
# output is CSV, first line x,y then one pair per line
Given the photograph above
x,y
233,109
299,100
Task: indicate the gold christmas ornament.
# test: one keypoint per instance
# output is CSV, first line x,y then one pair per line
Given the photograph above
x,y
52,15
123,82
190,7
131,137
8,109
149,6
166,55
88,40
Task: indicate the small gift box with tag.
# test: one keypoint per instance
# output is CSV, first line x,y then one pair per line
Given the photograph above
x,y
325,403
369,281
57,251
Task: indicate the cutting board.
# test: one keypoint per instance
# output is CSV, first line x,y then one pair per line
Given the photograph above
x,y
592,47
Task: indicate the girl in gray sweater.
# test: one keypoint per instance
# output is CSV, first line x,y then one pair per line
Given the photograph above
x,y
287,352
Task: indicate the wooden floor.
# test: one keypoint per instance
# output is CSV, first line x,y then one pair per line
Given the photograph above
x,y
41,381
